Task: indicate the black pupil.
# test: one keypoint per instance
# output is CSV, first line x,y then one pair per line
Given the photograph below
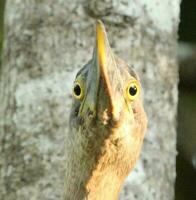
x,y
133,90
77,90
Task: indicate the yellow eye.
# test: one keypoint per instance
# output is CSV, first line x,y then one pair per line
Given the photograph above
x,y
78,90
132,90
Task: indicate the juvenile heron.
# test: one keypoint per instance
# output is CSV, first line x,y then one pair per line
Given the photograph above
x,y
107,125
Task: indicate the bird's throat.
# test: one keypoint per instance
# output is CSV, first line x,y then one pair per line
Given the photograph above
x,y
100,186
94,172
105,186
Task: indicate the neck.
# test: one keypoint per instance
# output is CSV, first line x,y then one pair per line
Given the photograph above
x,y
96,185
90,174
104,187
96,167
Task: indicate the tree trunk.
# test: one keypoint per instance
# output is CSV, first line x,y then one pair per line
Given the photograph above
x,y
45,44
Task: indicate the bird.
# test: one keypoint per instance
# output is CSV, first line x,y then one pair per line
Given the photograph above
x,y
107,125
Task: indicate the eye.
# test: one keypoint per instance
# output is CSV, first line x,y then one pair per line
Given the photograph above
x,y
132,90
78,90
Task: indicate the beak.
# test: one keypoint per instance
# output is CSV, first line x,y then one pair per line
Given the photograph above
x,y
107,69
103,75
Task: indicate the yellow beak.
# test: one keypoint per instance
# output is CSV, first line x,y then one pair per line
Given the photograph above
x,y
108,70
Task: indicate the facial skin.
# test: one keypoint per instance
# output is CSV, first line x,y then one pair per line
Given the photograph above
x,y
107,123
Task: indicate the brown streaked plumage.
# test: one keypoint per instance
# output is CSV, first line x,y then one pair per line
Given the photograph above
x,y
107,125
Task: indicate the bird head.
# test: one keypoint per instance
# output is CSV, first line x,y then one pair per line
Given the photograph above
x,y
106,90
107,101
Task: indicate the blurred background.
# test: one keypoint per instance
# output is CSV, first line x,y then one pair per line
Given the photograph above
x,y
186,141
186,129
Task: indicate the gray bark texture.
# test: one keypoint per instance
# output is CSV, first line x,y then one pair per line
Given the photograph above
x,y
46,42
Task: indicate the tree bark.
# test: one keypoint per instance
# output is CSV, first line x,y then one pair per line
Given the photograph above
x,y
45,44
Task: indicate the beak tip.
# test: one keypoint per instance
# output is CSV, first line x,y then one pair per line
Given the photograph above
x,y
99,22
100,27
